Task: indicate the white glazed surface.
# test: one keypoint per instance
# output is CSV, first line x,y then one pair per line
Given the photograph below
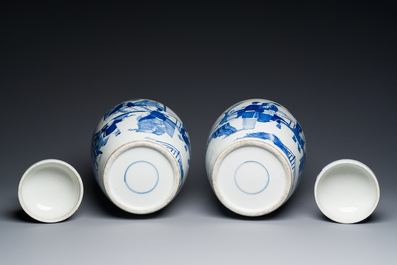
x,y
50,191
147,126
251,178
347,191
140,177
275,135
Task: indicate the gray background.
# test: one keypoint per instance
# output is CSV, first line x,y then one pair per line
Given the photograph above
x,y
63,66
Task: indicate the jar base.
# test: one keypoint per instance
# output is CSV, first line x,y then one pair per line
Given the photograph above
x,y
141,177
252,177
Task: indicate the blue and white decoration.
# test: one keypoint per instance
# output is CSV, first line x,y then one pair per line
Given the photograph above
x,y
140,120
262,120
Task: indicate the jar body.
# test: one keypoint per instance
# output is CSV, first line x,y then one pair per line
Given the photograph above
x,y
255,156
140,155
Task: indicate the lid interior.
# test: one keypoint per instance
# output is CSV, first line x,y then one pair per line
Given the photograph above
x,y
347,191
50,191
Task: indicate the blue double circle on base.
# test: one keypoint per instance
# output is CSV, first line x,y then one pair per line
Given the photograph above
x,y
141,192
256,192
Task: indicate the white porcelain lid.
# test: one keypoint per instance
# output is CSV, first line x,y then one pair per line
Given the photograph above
x,y
50,191
347,191
252,178
141,177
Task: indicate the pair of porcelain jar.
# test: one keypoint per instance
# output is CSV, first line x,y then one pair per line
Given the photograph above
x,y
254,160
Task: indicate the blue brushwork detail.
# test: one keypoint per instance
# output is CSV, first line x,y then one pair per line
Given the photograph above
x,y
157,122
267,136
109,128
258,112
225,130
97,143
100,138
228,114
297,130
302,164
291,157
174,151
118,109
300,170
143,105
185,138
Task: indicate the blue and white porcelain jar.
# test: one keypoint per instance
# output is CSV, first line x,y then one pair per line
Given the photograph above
x,y
255,156
140,155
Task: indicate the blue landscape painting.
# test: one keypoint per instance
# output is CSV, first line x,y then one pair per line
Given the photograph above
x,y
262,112
153,120
254,113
